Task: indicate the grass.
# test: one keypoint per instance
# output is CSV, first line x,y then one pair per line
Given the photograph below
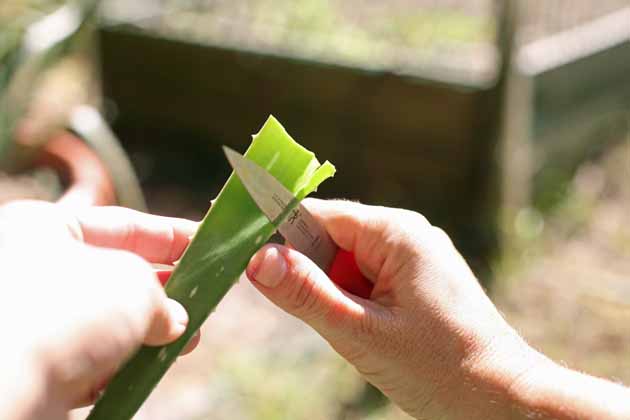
x,y
367,34
16,13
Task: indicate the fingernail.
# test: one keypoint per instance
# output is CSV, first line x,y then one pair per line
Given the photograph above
x,y
268,266
178,313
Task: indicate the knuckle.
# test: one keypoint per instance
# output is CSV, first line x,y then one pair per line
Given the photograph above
x,y
311,202
47,218
411,219
393,220
114,212
368,325
377,325
338,318
303,296
19,206
440,235
173,250
362,329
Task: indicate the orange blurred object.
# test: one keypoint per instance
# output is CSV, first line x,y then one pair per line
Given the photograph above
x,y
87,178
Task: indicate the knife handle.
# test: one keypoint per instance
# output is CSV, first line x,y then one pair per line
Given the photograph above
x,y
345,273
163,275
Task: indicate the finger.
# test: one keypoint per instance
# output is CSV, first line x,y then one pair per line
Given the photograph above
x,y
132,297
192,344
297,285
131,300
343,219
169,321
346,223
163,277
378,236
157,239
120,304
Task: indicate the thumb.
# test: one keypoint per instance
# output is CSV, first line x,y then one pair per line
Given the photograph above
x,y
294,283
168,322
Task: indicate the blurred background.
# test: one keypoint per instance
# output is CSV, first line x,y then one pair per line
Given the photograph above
x,y
506,122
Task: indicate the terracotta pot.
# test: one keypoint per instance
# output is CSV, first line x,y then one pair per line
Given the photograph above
x,y
87,179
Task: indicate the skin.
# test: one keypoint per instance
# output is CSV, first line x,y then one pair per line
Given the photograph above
x,y
429,337
78,297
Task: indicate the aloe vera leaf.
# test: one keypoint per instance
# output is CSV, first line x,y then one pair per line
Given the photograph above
x,y
229,235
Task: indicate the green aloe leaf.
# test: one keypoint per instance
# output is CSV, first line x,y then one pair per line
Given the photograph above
x,y
229,235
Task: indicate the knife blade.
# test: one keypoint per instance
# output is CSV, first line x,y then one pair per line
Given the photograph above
x,y
298,226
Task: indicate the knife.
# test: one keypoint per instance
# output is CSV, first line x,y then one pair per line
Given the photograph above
x,y
298,226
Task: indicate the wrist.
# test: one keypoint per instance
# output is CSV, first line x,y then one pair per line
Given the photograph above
x,y
552,391
526,384
494,376
479,385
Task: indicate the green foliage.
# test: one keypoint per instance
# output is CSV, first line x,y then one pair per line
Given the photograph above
x,y
21,68
332,30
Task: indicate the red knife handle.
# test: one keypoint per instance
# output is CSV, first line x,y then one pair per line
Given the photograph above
x,y
345,272
163,275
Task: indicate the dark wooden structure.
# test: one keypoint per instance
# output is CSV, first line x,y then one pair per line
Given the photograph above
x,y
397,140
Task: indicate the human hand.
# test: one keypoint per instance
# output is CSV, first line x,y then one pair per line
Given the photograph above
x,y
428,337
78,297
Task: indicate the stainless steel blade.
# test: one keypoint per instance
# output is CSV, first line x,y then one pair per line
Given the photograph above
x,y
294,221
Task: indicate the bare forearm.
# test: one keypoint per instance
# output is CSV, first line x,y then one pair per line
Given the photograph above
x,y
553,392
516,382
533,386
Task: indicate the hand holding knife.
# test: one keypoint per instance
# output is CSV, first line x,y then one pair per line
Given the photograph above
x,y
298,226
